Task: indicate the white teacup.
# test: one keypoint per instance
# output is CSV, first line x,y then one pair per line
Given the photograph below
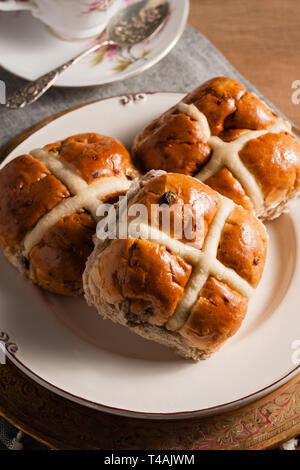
x,y
71,19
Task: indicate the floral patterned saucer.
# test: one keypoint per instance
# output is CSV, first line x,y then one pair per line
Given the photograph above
x,y
29,49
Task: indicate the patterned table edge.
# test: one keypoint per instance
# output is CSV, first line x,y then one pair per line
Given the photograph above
x,y
62,424
239,432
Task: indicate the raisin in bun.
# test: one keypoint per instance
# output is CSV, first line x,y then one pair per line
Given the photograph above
x,y
190,293
48,203
228,138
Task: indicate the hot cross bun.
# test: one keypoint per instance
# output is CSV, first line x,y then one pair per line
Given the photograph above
x,y
187,292
228,138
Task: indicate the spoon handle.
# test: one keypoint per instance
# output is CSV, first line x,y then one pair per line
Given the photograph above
x,y
34,90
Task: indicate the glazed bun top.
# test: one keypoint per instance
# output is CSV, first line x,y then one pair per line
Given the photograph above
x,y
228,105
198,210
192,206
228,138
175,142
164,280
33,185
28,191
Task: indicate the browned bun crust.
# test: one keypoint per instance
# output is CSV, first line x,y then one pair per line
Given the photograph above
x,y
171,191
176,142
150,276
27,192
172,143
226,184
141,283
44,231
243,245
274,159
216,317
227,105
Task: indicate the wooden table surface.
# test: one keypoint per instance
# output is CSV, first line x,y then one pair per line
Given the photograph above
x,y
261,38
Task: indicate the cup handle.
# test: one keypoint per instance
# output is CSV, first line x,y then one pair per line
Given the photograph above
x,y
10,5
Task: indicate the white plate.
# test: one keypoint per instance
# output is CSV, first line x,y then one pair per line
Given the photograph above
x,y
25,41
67,347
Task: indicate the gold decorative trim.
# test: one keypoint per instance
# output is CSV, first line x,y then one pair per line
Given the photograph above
x,y
63,424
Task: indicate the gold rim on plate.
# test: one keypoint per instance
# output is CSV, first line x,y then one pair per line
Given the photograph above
x,y
62,424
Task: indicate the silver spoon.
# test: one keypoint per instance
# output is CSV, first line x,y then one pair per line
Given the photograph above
x,y
128,27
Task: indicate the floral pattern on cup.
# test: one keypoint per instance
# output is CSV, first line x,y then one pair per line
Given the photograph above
x,y
100,5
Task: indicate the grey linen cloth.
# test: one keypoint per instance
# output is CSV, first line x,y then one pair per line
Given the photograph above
x,y
193,61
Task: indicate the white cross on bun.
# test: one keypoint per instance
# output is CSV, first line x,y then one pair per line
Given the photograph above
x,y
48,206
